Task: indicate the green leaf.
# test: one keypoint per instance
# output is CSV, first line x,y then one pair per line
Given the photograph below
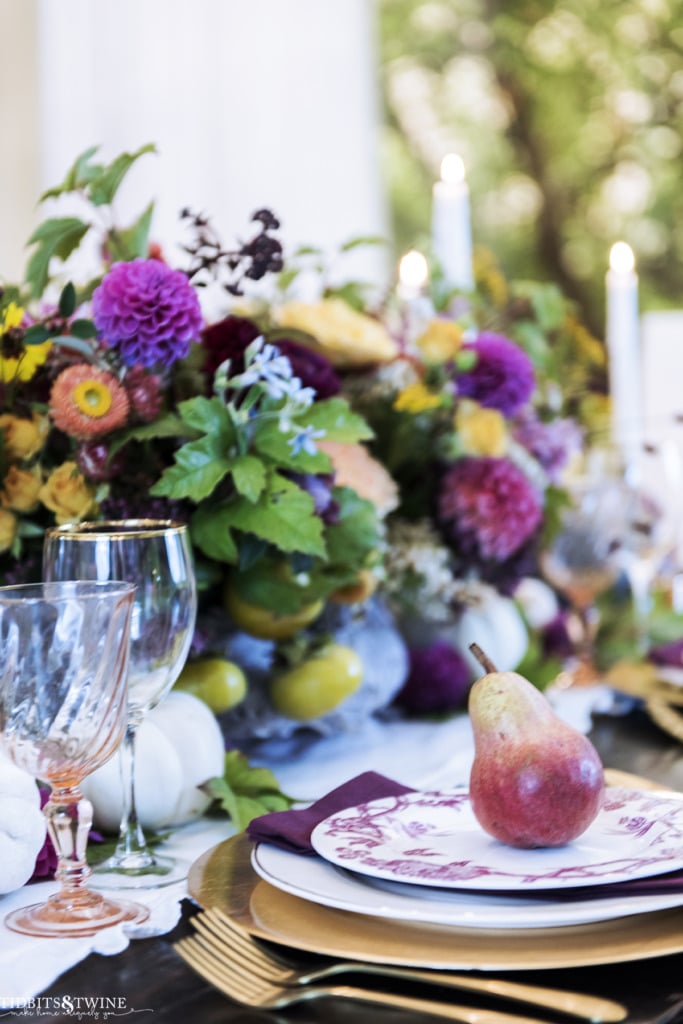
x,y
208,415
82,329
104,187
133,241
249,476
79,175
284,516
270,441
36,335
168,425
199,467
360,240
334,416
211,533
245,792
67,300
58,236
357,531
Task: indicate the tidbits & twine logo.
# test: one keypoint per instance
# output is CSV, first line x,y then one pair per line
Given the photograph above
x,y
78,1007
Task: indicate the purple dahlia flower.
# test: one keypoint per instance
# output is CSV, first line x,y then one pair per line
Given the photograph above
x,y
438,680
503,376
148,312
488,506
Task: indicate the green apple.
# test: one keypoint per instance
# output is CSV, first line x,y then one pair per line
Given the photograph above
x,y
318,685
219,683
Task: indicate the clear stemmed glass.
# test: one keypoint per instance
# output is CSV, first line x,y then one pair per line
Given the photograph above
x,y
63,683
584,559
654,499
156,556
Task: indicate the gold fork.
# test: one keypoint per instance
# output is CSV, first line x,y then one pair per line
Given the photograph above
x,y
234,978
218,934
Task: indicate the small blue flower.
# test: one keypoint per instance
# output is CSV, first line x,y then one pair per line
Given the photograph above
x,y
305,440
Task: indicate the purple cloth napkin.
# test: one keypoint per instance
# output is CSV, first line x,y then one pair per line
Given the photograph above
x,y
291,830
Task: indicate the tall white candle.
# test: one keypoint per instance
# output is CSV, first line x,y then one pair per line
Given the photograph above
x,y
623,349
451,225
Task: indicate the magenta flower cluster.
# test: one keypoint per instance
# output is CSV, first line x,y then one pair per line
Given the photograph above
x,y
488,507
502,377
148,312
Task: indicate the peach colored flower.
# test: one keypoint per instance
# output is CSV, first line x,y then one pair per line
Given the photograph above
x,y
8,529
346,337
66,493
24,438
86,402
354,467
20,489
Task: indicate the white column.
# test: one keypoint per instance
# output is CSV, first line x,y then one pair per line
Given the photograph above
x,y
268,103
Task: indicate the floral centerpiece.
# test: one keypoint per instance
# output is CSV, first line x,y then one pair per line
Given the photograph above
x,y
342,468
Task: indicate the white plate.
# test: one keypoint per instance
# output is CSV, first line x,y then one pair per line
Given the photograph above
x,y
315,880
434,839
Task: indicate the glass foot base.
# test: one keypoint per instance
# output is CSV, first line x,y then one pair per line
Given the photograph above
x,y
138,871
60,918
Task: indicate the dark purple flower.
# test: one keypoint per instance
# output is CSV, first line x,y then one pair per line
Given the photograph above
x,y
503,376
227,339
47,860
668,655
488,506
94,462
144,394
438,680
312,368
552,443
555,639
148,312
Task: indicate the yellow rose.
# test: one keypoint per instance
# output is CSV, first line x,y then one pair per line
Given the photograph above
x,y
416,398
21,487
347,338
8,529
24,438
440,341
480,431
66,493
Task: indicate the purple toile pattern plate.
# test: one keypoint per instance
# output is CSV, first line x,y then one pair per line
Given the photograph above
x,y
434,839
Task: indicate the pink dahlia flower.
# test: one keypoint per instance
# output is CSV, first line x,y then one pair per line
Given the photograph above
x,y
488,506
86,402
148,312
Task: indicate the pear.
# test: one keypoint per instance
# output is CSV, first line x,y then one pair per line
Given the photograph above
x,y
535,780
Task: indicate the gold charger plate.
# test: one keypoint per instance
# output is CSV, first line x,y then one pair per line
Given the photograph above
x,y
222,878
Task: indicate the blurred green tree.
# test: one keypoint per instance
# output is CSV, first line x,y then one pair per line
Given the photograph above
x,y
569,117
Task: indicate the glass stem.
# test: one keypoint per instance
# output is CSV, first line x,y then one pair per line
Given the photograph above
x,y
69,818
132,843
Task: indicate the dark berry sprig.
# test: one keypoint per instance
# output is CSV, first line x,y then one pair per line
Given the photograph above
x,y
231,267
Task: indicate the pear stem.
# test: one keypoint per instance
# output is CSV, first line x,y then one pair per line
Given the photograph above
x,y
482,658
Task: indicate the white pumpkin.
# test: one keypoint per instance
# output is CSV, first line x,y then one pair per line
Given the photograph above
x,y
538,602
179,746
22,826
494,622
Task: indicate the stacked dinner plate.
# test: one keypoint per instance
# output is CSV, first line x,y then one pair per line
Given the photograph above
x,y
413,879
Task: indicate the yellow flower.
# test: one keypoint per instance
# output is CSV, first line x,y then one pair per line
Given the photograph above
x,y
347,338
416,398
23,366
440,341
480,431
8,529
24,438
66,493
21,487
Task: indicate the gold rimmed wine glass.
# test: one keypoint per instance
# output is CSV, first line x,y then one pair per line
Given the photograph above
x,y
63,696
156,556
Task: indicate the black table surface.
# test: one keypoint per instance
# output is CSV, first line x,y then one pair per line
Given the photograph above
x,y
150,982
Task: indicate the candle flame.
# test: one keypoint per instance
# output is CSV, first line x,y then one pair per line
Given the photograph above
x,y
413,270
452,168
621,258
